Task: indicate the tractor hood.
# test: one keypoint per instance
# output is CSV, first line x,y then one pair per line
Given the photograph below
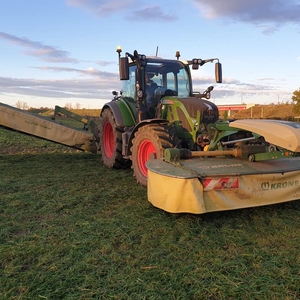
x,y
208,110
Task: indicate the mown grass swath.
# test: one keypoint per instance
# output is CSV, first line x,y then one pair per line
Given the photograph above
x,y
73,229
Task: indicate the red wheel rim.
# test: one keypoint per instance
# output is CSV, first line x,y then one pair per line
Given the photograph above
x,y
108,140
145,150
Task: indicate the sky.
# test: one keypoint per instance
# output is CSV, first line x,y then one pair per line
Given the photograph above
x,y
63,52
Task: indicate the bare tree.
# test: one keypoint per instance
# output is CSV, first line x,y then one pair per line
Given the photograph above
x,y
19,104
25,106
22,105
77,106
68,105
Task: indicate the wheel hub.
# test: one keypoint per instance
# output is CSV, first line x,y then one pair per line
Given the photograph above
x,y
145,152
108,140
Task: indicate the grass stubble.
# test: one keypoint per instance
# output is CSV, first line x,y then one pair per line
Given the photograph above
x,y
72,229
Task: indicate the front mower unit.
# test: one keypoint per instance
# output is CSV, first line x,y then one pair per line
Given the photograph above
x,y
217,180
200,185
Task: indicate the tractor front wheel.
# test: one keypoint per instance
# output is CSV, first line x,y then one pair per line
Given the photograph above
x,y
149,141
111,141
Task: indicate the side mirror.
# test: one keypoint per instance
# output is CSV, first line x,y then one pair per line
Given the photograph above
x,y
124,68
218,72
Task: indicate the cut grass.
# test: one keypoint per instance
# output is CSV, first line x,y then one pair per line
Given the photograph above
x,y
72,229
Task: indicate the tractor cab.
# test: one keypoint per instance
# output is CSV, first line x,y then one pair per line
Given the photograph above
x,y
159,78
147,80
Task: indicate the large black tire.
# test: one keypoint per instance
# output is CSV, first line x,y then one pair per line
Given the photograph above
x,y
111,141
149,141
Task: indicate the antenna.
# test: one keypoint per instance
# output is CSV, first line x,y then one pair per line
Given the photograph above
x,y
156,51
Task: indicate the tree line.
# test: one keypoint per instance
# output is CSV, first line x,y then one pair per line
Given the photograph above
x,y
23,105
296,101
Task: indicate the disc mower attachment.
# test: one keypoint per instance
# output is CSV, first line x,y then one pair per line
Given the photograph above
x,y
201,185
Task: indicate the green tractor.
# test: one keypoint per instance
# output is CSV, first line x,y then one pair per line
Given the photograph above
x,y
155,110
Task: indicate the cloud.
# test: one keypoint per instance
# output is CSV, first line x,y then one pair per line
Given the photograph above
x,y
151,13
87,72
104,63
211,81
43,52
259,12
68,88
233,89
103,7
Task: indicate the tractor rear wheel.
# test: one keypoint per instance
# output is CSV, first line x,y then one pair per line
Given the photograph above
x,y
111,141
149,141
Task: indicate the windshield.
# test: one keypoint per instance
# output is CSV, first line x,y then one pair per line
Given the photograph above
x,y
170,75
166,74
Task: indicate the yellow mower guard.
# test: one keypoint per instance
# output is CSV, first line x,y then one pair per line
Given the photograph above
x,y
188,194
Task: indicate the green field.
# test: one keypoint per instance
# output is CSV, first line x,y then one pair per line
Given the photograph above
x,y
72,229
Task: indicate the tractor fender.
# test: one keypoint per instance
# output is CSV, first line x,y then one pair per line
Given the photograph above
x,y
139,125
122,113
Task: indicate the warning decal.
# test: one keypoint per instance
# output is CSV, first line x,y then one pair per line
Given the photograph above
x,y
222,183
